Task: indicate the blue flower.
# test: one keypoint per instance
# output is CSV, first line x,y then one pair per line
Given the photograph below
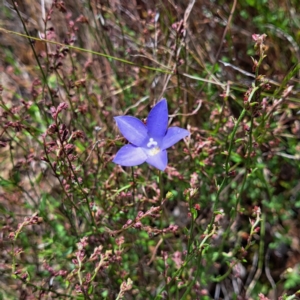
x,y
148,142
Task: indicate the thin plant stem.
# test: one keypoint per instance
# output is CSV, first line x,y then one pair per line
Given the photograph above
x,y
227,166
161,187
134,183
166,71
161,195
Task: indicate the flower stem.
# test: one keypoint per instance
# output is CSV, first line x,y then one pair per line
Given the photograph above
x,y
161,187
161,196
133,186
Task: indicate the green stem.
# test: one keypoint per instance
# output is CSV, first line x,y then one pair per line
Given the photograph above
x,y
190,241
161,197
198,262
176,275
134,183
161,187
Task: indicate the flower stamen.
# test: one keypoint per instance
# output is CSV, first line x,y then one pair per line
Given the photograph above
x,y
151,143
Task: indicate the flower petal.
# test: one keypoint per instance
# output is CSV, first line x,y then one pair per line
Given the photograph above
x,y
130,156
133,129
174,135
157,121
159,161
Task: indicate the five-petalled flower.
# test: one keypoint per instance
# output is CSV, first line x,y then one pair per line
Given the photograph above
x,y
148,142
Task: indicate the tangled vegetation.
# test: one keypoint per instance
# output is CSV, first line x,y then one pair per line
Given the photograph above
x,y
221,221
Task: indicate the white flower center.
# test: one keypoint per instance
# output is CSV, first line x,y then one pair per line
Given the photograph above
x,y
151,143
154,148
154,151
